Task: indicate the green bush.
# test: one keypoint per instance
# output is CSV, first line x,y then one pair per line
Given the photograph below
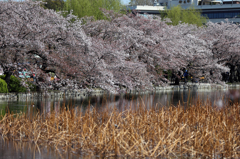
x,y
15,84
32,87
82,8
190,16
3,86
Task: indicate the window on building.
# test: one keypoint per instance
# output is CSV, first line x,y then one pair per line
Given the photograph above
x,y
222,15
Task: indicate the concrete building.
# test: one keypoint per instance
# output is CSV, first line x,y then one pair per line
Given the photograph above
x,y
215,10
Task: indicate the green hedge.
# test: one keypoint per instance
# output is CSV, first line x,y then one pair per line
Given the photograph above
x,y
3,86
15,84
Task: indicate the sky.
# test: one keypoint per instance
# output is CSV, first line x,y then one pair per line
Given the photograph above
x,y
125,1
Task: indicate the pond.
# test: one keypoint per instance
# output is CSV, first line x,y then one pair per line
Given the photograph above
x,y
121,102
13,150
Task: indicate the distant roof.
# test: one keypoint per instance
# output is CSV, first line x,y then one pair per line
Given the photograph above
x,y
231,0
145,7
216,1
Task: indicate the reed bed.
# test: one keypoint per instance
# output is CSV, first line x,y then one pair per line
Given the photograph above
x,y
197,131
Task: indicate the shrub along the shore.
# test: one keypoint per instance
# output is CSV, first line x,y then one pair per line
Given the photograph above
x,y
14,85
3,86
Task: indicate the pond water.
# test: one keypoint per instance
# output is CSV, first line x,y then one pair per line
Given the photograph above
x,y
24,150
121,102
10,150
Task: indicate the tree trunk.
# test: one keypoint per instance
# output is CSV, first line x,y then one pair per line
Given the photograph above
x,y
7,78
231,78
177,81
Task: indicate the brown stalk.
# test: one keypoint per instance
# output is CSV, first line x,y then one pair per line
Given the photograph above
x,y
200,130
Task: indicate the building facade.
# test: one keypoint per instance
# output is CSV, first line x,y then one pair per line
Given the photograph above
x,y
216,11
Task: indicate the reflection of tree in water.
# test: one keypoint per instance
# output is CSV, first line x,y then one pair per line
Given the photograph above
x,y
168,98
57,107
185,98
125,101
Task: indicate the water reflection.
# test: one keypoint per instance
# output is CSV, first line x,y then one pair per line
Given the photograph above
x,y
121,102
26,150
171,98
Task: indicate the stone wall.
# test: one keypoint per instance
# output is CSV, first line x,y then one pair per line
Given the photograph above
x,y
84,93
50,95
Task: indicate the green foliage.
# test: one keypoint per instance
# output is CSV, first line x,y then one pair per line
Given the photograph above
x,y
82,8
190,16
3,86
32,87
57,5
169,74
166,73
15,84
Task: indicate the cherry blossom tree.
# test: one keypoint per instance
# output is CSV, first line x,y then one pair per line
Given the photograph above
x,y
226,46
198,53
124,52
159,46
31,36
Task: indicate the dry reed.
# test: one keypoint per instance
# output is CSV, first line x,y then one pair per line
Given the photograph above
x,y
198,131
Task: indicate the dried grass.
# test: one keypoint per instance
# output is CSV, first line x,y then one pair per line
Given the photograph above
x,y
198,131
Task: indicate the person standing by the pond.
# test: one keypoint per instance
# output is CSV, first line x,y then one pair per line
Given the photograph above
x,y
34,77
185,75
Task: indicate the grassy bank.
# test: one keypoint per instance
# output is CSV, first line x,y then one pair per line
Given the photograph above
x,y
198,131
